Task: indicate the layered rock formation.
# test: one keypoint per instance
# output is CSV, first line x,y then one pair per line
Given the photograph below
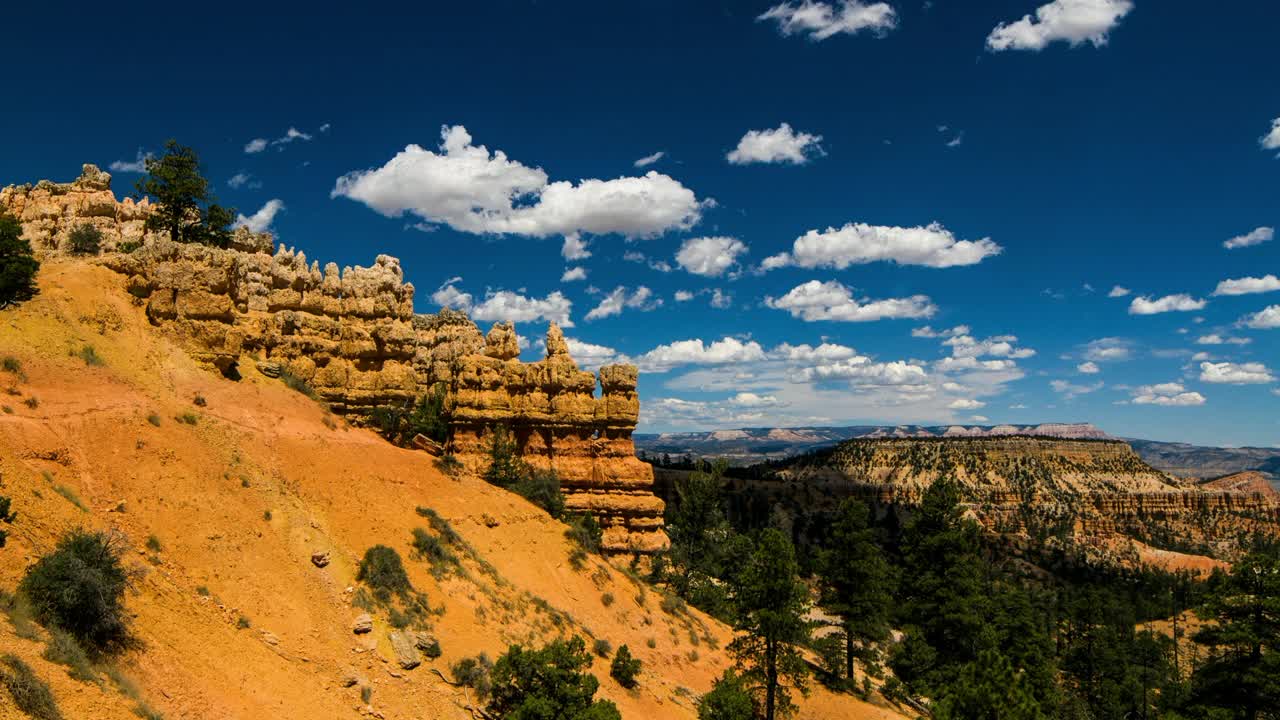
x,y
352,337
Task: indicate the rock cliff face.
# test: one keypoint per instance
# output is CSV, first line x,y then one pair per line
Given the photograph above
x,y
1090,490
352,336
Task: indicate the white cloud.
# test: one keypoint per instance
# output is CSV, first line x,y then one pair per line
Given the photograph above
x,y
805,354
648,160
574,273
752,400
966,404
255,145
1256,236
694,352
1071,390
683,296
929,332
1118,291
613,303
1235,373
860,243
831,300
862,370
1088,368
781,145
1000,346
1271,141
1216,339
242,179
506,305
1248,285
471,190
1266,319
591,357
720,300
1169,303
137,165
261,220
821,20
1073,21
1108,349
574,248
709,256
1167,394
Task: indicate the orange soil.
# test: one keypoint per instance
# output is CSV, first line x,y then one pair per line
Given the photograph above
x,y
327,487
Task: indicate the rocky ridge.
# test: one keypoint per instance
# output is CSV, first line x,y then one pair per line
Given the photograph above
x,y
352,337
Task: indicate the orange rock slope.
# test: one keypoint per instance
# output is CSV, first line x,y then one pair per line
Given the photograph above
x,y
240,489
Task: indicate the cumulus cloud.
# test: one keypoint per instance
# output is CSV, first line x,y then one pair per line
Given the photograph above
x,y
613,304
862,370
964,345
966,404
1108,349
780,145
1248,285
860,243
648,160
472,190
683,296
1266,319
831,300
1169,303
805,353
1168,394
1088,368
821,20
1070,390
137,165
590,356
1118,291
574,248
574,273
1216,339
255,145
1256,236
506,305
1271,141
694,352
261,220
1072,21
1252,373
752,400
709,256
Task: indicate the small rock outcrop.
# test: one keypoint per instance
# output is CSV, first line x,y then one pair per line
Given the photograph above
x,y
362,624
404,644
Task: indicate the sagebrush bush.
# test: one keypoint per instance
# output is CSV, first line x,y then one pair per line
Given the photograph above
x,y
602,647
585,532
30,694
473,672
80,587
383,571
85,239
65,650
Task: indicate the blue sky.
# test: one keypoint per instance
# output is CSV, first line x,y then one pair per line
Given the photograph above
x,y
857,208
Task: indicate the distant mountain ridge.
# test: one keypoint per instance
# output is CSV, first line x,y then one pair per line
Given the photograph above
x,y
746,446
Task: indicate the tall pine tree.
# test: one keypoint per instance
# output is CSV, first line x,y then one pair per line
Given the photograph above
x,y
855,580
771,603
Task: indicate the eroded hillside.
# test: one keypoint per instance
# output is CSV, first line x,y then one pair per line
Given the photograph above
x,y
245,486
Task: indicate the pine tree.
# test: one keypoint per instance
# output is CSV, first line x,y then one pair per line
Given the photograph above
x,y
550,682
505,466
697,527
988,688
855,580
1241,679
729,699
186,209
18,266
771,603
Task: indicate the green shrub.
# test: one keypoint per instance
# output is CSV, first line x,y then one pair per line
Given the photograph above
x,y
606,599
64,650
505,466
382,570
7,517
32,402
79,587
242,623
585,532
18,265
154,419
425,416
428,547
625,668
542,488
71,496
474,672
11,364
432,650
550,682
129,246
30,694
199,400
153,544
729,699
89,355
85,239
602,647
439,525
